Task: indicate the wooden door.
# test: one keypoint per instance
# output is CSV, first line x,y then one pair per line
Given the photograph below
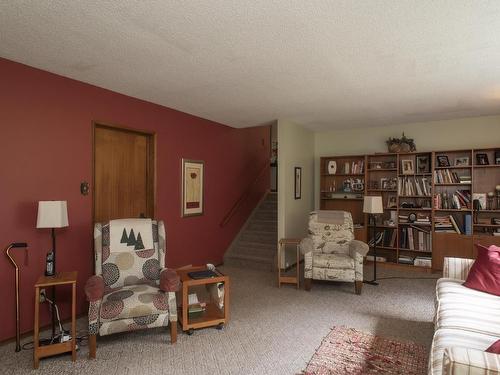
x,y
124,173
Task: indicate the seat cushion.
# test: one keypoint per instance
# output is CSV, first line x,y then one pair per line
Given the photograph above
x,y
340,261
464,308
133,301
448,338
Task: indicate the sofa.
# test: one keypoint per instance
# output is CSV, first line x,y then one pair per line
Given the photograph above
x,y
466,323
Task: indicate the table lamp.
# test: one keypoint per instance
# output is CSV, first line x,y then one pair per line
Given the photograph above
x,y
52,214
372,205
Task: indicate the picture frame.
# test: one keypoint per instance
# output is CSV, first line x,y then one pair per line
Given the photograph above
x,y
192,181
482,159
462,161
407,167
442,161
384,183
423,164
298,183
481,198
392,201
497,157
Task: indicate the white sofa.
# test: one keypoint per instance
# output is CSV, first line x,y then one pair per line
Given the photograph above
x,y
466,323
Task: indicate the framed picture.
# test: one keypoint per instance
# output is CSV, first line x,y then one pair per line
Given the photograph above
x,y
463,161
481,198
384,183
497,157
482,159
442,161
407,166
298,183
423,165
192,187
392,202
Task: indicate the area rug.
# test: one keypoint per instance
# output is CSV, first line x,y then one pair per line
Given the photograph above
x,y
349,351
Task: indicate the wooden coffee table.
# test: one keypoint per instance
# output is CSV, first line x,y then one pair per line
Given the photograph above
x,y
213,315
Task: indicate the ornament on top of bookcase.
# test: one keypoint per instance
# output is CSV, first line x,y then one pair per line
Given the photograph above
x,y
332,167
402,144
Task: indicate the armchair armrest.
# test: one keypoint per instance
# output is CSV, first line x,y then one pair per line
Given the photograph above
x,y
306,246
458,360
457,268
169,280
94,288
357,247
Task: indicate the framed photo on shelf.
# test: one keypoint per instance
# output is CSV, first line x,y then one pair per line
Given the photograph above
x,y
298,183
423,164
392,201
407,166
497,157
192,187
481,198
462,161
442,161
482,159
384,183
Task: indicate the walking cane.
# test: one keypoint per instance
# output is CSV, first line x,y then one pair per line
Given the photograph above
x,y
18,333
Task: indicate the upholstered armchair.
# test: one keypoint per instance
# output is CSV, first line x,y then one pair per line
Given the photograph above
x,y
131,288
330,250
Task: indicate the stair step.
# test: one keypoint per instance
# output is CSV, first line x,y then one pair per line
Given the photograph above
x,y
247,261
259,237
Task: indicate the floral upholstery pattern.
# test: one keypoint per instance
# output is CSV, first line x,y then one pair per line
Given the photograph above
x,y
132,298
331,252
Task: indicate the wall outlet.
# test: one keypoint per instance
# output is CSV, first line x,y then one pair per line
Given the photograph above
x,y
43,295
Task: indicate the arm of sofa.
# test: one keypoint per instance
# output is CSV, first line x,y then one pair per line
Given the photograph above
x,y
457,361
94,291
358,251
457,268
169,280
307,249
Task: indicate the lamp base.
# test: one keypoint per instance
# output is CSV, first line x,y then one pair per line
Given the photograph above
x,y
372,282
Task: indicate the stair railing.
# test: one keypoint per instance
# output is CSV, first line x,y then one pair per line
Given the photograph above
x,y
236,206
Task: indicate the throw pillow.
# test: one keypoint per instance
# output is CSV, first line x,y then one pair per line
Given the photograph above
x,y
484,274
494,348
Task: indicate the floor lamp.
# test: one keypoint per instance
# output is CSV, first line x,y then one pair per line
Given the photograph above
x,y
372,205
52,214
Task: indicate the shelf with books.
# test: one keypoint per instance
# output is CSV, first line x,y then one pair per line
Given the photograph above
x,y
343,174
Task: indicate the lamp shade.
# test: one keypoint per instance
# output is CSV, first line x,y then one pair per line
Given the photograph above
x,y
372,205
52,214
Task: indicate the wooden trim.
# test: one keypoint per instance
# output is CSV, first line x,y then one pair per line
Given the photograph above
x,y
152,157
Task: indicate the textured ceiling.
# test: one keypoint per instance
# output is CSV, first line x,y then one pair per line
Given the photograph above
x,y
324,64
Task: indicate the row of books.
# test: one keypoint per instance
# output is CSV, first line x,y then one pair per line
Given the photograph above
x,y
414,186
446,176
385,238
357,167
415,261
460,199
415,238
451,224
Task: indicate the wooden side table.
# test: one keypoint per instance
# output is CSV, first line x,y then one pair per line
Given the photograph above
x,y
281,248
212,316
62,278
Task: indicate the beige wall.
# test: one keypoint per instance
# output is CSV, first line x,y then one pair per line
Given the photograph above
x,y
295,149
476,132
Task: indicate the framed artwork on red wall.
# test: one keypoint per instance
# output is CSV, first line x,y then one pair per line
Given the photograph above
x,y
192,187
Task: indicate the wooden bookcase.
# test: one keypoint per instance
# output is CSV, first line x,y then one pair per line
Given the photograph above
x,y
460,174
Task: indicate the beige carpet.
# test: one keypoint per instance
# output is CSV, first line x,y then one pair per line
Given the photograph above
x,y
272,331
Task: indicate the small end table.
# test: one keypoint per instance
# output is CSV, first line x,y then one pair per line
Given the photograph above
x,y
281,248
61,278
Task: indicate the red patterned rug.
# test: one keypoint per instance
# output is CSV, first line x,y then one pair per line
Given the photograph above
x,y
348,351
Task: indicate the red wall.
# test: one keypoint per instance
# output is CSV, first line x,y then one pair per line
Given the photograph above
x,y
46,151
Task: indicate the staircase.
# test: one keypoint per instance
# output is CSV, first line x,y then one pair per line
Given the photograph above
x,y
255,246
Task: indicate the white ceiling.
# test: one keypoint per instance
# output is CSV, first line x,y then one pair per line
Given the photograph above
x,y
325,64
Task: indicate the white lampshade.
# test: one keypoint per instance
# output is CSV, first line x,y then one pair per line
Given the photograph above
x,y
373,205
52,214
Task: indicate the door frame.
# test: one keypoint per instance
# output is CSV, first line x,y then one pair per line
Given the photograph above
x,y
151,158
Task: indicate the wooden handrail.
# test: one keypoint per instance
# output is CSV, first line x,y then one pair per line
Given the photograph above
x,y
243,197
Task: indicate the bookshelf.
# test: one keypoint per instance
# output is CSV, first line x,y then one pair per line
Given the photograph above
x,y
428,202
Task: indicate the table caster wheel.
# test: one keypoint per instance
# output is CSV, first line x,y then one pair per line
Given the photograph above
x,y
190,331
219,326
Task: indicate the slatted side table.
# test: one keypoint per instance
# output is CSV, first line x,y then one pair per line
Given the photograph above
x,y
61,278
281,250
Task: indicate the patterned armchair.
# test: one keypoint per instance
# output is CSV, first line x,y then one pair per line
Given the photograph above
x,y
131,288
330,251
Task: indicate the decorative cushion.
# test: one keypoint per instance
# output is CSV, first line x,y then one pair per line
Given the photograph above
x,y
494,348
134,302
130,234
339,261
485,272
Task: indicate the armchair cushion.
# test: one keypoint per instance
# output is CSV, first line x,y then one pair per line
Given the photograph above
x,y
94,288
338,261
136,301
306,246
169,280
357,247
